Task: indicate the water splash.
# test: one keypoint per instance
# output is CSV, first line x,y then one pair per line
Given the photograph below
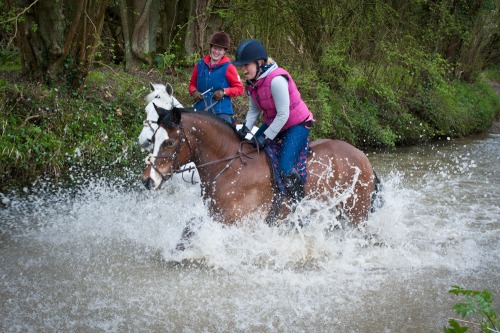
x,y
100,257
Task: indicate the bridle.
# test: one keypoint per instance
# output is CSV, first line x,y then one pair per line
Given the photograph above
x,y
175,155
147,123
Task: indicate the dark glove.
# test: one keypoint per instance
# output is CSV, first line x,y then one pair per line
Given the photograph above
x,y
242,132
259,141
197,96
218,94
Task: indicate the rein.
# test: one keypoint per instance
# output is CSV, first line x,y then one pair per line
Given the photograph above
x,y
174,156
147,123
231,159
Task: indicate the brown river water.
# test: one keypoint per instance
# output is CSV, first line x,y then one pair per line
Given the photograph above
x,y
99,258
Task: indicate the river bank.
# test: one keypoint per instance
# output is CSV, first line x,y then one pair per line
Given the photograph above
x,y
495,126
48,131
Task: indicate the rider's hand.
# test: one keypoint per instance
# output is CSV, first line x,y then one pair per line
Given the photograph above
x,y
197,96
218,94
260,141
242,132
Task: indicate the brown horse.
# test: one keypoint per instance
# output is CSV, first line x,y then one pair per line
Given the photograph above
x,y
236,179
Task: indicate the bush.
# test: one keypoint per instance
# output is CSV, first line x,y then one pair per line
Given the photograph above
x,y
477,308
48,132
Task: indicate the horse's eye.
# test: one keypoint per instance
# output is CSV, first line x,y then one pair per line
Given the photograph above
x,y
170,143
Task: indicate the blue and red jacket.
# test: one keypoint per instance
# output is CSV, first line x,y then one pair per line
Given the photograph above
x,y
222,75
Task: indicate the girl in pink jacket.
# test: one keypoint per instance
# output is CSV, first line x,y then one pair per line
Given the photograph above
x,y
287,118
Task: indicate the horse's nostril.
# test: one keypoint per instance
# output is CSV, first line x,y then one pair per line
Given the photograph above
x,y
148,183
148,141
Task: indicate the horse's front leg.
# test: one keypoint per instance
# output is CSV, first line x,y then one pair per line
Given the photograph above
x,y
186,236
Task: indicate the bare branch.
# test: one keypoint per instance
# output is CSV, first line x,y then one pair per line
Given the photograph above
x,y
20,14
16,19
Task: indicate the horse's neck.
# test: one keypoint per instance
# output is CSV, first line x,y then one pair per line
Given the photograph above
x,y
213,140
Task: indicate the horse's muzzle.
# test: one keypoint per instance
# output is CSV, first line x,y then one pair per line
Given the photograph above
x,y
146,145
148,183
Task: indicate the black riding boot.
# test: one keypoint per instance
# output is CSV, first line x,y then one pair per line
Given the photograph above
x,y
272,217
294,186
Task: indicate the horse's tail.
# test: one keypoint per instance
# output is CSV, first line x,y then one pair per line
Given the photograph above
x,y
377,198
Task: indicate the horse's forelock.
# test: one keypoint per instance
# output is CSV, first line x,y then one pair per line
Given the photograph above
x,y
166,104
159,92
150,97
170,118
151,112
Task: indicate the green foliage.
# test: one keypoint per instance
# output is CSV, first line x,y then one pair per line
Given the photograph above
x,y
9,57
165,60
371,132
96,78
457,109
50,132
335,66
73,75
493,73
478,306
9,54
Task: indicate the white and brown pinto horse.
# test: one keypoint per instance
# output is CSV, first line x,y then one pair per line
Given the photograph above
x,y
236,179
160,95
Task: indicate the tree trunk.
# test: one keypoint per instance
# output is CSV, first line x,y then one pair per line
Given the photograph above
x,y
203,24
139,23
174,18
58,38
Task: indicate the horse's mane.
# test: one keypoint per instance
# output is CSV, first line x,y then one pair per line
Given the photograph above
x,y
209,115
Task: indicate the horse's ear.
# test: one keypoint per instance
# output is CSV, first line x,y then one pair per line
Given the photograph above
x,y
169,89
161,111
151,87
176,115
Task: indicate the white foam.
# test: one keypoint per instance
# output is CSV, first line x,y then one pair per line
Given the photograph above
x,y
101,257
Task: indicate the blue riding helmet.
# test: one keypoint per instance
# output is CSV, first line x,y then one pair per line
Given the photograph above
x,y
248,51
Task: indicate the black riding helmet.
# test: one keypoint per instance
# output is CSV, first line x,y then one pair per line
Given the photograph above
x,y
249,51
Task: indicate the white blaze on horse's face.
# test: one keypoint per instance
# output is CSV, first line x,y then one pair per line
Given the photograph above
x,y
161,97
161,136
